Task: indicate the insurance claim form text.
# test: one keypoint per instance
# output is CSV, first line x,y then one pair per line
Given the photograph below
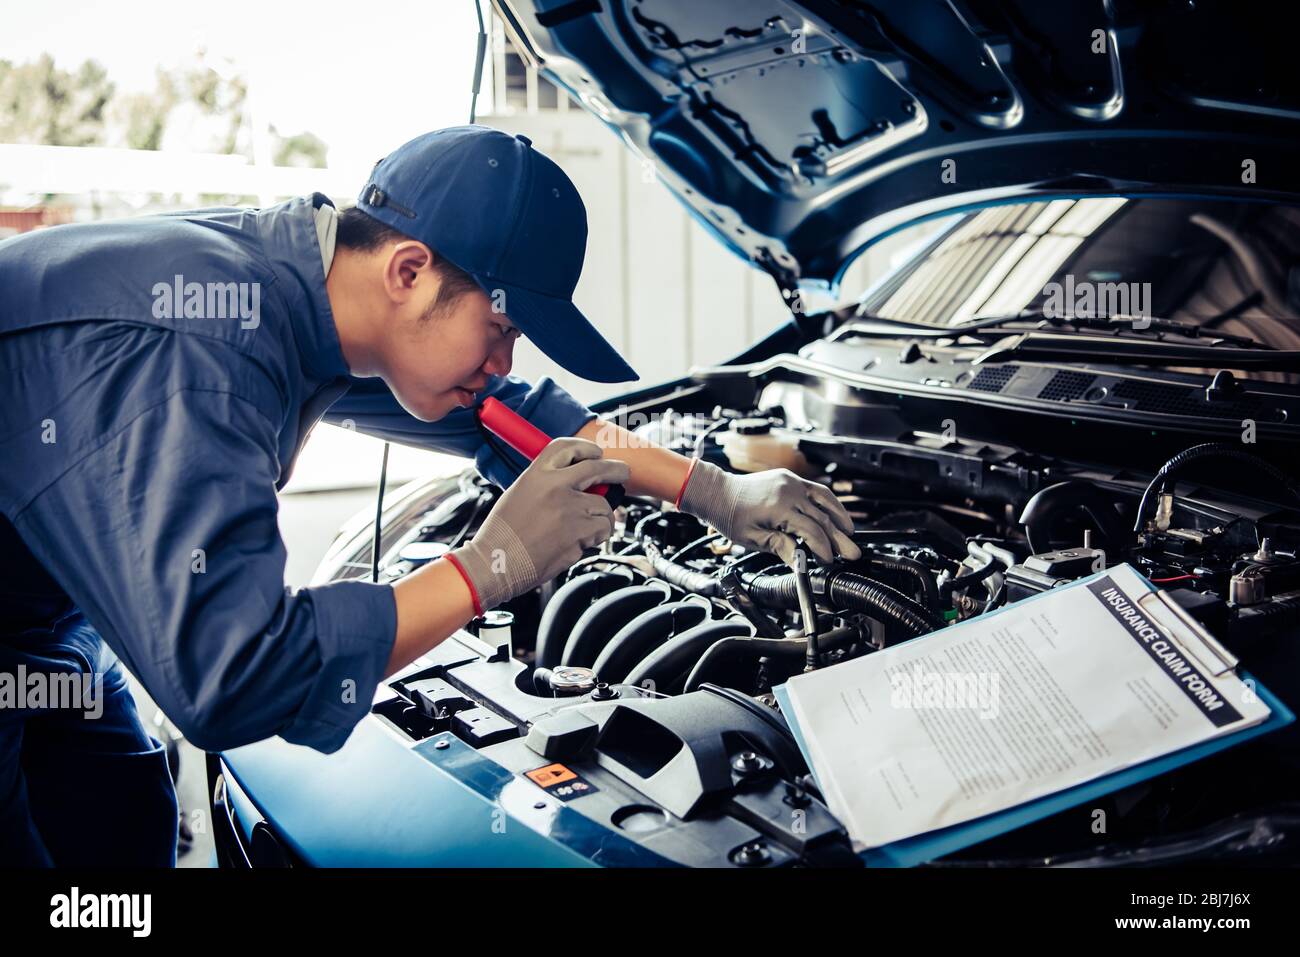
x,y
1045,694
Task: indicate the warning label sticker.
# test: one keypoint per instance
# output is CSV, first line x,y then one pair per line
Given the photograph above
x,y
561,781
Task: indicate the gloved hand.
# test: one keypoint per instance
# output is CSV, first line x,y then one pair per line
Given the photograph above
x,y
540,526
768,510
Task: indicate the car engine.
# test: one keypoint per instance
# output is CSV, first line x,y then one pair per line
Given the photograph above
x,y
637,687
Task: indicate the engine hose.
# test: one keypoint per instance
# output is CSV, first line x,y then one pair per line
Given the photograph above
x,y
912,568
679,556
1167,476
684,578
1045,510
735,595
725,659
731,651
844,589
638,530
985,571
982,548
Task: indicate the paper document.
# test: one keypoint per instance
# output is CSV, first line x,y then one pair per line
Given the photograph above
x,y
1043,695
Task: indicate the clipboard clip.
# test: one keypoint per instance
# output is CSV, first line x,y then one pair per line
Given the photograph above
x,y
1190,634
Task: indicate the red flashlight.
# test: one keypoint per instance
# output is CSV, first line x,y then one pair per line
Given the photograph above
x,y
528,440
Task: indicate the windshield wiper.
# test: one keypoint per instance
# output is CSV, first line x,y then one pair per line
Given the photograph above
x,y
868,325
1045,346
1149,325
1138,325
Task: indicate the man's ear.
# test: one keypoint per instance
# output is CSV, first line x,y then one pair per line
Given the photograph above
x,y
408,264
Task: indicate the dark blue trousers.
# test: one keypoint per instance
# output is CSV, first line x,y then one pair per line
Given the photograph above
x,y
79,790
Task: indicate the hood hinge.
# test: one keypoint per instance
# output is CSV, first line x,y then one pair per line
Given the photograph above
x,y
787,283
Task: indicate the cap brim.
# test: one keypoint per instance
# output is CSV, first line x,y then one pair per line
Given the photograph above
x,y
562,332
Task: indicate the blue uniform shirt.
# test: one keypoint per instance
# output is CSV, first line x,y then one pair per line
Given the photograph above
x,y
158,377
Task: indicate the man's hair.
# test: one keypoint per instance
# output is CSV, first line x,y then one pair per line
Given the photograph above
x,y
361,232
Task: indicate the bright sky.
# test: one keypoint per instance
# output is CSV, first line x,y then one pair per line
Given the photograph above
x,y
363,77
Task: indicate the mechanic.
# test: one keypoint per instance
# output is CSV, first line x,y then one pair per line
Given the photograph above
x,y
160,376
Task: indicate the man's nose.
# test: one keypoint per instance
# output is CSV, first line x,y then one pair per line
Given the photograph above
x,y
501,360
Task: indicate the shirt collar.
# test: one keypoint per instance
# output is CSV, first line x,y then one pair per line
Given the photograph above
x,y
289,241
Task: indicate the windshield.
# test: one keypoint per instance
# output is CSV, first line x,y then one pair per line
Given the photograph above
x,y
1230,266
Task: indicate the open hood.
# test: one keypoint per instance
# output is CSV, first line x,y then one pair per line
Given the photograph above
x,y
800,132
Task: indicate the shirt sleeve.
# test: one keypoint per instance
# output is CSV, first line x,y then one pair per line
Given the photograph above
x,y
166,537
370,407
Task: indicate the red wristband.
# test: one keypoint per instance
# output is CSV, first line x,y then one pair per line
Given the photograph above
x,y
677,503
473,592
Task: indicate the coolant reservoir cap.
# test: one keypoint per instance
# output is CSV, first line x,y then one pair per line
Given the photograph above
x,y
497,619
423,551
752,426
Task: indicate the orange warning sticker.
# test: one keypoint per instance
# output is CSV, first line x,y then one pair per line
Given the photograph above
x,y
551,775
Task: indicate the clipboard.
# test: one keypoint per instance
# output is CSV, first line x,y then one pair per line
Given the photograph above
x,y
1189,634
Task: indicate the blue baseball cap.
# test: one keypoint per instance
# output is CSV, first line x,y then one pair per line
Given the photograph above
x,y
509,217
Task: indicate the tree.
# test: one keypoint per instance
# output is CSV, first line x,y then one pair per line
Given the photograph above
x,y
202,106
42,104
301,149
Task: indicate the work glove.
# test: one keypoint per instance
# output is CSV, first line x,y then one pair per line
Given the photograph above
x,y
540,526
769,510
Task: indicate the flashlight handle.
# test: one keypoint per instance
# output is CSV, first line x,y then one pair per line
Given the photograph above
x,y
525,438
513,429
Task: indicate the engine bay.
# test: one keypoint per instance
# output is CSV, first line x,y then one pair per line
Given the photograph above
x,y
637,687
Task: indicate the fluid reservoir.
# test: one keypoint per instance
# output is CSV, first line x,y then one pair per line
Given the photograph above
x,y
751,446
493,628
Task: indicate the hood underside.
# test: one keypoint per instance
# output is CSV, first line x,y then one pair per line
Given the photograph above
x,y
801,132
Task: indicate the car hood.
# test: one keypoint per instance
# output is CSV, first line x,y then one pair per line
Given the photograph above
x,y
799,133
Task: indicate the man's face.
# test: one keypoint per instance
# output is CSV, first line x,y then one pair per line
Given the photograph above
x,y
439,355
